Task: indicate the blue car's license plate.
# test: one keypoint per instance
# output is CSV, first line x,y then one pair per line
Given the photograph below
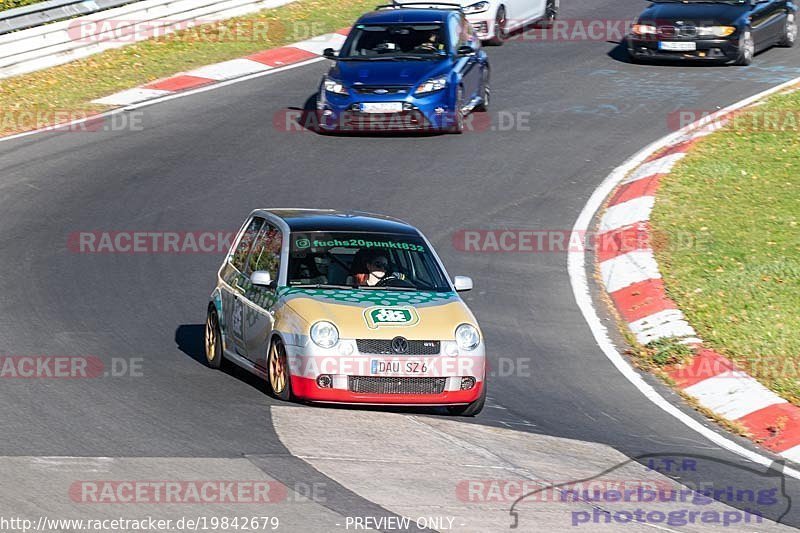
x,y
381,107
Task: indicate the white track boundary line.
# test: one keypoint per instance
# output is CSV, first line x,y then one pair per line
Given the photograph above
x,y
576,267
164,98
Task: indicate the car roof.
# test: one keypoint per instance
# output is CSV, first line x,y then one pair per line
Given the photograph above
x,y
405,15
300,220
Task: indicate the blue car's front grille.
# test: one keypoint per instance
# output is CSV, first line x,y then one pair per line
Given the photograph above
x,y
382,89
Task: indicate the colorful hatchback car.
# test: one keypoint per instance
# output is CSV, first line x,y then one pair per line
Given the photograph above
x,y
346,307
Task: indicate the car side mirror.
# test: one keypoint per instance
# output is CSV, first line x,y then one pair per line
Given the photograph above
x,y
262,278
465,50
330,53
462,283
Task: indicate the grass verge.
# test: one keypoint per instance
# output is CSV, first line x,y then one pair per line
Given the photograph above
x,y
737,194
70,88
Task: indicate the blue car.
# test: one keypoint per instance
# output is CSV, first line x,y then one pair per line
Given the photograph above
x,y
405,67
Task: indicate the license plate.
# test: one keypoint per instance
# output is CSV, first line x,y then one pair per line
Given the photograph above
x,y
381,107
397,367
677,46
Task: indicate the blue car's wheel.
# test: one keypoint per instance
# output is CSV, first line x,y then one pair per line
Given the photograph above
x,y
486,93
458,112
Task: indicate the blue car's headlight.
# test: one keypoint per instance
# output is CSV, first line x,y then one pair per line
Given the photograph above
x,y
333,86
432,85
478,7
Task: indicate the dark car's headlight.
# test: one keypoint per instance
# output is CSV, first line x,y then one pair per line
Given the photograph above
x,y
644,29
432,85
716,31
335,87
478,7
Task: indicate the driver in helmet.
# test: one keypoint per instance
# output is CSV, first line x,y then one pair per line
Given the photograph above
x,y
376,268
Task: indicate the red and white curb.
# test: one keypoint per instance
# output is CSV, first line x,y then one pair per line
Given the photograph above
x,y
631,276
228,70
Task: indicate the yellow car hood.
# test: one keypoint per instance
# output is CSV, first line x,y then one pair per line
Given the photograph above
x,y
376,314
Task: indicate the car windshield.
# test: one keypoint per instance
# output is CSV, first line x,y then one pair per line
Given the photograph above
x,y
347,260
395,41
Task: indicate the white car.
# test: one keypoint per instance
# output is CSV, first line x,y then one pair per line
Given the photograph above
x,y
494,20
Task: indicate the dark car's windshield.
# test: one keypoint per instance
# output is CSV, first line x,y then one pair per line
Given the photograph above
x,y
395,41
366,260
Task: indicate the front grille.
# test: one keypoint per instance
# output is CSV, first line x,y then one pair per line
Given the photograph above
x,y
384,347
383,89
382,122
387,385
678,32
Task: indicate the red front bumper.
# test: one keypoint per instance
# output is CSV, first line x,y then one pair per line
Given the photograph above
x,y
307,389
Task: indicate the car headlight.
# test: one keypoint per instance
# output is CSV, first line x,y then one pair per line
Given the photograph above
x,y
478,7
644,29
333,86
432,85
716,31
467,337
324,334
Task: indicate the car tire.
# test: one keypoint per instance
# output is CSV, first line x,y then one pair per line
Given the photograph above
x,y
215,357
500,32
470,409
458,112
789,31
550,14
747,49
487,94
278,375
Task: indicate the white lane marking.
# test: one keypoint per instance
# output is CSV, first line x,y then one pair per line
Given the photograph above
x,y
164,98
792,453
662,165
131,96
661,325
317,45
733,394
229,69
576,267
627,213
626,269
225,83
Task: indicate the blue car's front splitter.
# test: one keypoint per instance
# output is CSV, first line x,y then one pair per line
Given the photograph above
x,y
344,113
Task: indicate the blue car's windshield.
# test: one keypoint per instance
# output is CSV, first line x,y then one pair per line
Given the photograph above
x,y
396,41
